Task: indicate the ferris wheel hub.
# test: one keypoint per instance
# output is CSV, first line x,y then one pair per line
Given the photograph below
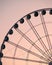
x,y
50,63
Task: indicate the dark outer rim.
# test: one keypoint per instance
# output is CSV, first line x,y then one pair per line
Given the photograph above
x,y
25,16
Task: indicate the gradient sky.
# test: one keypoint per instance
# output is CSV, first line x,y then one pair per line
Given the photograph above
x,y
13,10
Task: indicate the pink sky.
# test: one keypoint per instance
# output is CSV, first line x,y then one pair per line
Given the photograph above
x,y
12,10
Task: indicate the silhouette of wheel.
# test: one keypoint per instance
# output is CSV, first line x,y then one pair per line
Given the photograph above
x,y
29,40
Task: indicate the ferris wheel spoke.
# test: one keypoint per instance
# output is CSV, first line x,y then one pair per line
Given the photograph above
x,y
33,44
25,59
37,35
28,51
43,55
46,32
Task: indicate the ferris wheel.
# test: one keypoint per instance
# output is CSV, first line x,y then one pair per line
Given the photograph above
x,y
29,40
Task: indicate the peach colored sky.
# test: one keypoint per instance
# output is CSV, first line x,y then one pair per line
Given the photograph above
x,y
13,10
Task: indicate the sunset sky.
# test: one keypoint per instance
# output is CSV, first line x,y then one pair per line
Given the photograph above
x,y
12,10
